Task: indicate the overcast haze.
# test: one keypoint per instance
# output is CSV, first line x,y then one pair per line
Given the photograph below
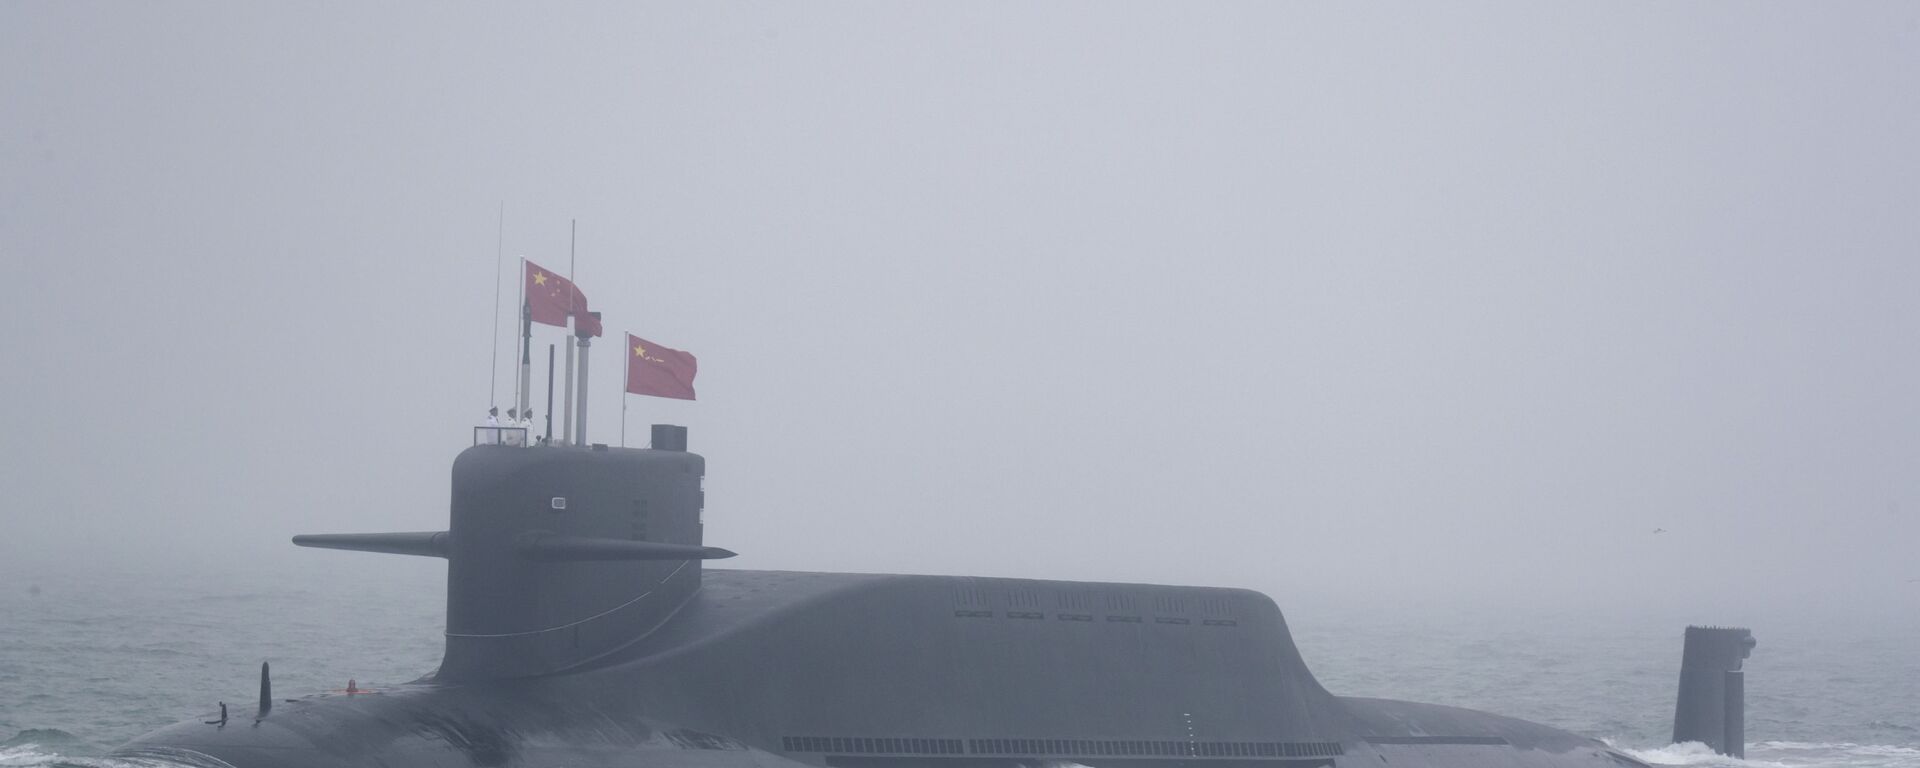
x,y
1382,304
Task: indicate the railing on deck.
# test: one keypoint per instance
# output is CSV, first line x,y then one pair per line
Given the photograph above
x,y
514,436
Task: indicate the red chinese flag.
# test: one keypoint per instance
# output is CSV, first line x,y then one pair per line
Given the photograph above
x,y
550,297
656,370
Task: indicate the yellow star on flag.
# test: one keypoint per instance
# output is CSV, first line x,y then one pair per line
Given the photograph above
x,y
639,351
539,278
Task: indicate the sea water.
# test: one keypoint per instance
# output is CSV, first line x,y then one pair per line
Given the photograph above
x,y
91,656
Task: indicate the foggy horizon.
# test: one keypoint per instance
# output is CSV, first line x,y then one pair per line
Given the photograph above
x,y
1348,305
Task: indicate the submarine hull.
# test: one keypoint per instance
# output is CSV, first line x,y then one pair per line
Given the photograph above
x,y
766,668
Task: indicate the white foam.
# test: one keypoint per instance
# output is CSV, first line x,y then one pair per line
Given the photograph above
x,y
21,755
1695,753
1784,754
31,756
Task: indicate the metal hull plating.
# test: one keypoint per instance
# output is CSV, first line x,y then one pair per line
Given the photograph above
x,y
863,671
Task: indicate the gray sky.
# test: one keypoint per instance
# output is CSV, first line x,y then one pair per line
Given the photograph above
x,y
1342,302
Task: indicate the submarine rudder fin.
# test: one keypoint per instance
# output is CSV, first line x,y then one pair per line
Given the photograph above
x,y
420,543
1711,705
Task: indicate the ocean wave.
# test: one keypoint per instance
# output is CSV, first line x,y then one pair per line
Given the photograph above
x,y
35,756
1785,754
42,737
55,748
1842,753
1694,753
24,754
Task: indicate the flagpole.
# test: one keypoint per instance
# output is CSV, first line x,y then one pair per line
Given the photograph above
x,y
493,369
526,342
626,382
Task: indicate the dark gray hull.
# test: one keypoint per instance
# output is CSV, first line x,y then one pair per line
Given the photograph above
x,y
865,671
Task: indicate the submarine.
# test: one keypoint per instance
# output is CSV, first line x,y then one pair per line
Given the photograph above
x,y
582,631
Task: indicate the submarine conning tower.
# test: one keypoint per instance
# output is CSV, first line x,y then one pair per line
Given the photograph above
x,y
557,555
